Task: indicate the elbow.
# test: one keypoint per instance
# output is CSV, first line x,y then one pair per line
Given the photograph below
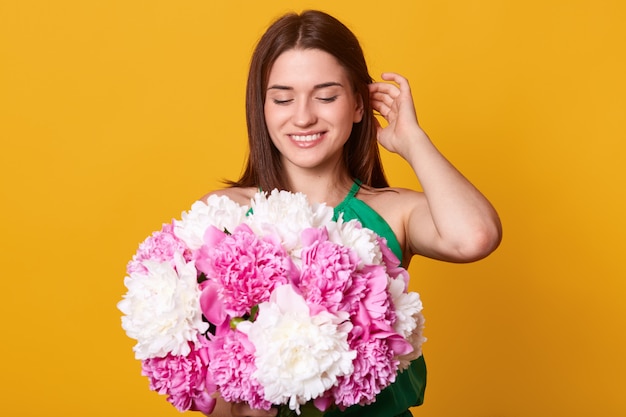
x,y
479,244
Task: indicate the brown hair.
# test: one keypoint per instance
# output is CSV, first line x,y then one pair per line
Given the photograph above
x,y
308,30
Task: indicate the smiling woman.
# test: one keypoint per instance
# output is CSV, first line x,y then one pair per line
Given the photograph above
x,y
310,107
310,110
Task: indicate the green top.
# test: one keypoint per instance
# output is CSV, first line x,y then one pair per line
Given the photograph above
x,y
408,389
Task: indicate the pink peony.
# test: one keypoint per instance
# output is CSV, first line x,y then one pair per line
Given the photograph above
x,y
375,317
377,300
183,379
327,270
231,367
368,301
392,263
159,247
374,369
246,267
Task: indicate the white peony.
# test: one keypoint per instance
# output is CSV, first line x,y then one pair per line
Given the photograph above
x,y
162,309
407,306
409,319
416,339
218,211
363,241
286,214
298,356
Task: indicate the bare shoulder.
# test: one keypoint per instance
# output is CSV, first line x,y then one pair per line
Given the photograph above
x,y
392,201
237,194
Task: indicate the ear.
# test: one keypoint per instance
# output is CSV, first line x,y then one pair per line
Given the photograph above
x,y
358,110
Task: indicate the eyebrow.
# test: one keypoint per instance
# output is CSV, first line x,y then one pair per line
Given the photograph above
x,y
315,87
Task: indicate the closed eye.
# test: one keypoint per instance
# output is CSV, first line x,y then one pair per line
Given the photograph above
x,y
327,99
281,102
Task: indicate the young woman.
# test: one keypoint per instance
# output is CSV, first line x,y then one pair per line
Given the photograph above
x,y
311,107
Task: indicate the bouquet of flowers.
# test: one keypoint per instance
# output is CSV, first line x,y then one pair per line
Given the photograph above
x,y
275,304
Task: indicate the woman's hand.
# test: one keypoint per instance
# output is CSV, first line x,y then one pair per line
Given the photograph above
x,y
225,409
244,410
394,102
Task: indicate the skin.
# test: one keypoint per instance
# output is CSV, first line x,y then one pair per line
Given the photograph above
x,y
450,220
309,112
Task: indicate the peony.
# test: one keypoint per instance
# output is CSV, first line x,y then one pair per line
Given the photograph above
x,y
246,267
162,309
218,211
327,269
416,339
285,215
374,368
313,349
409,319
392,263
408,307
376,301
361,240
232,367
160,246
183,379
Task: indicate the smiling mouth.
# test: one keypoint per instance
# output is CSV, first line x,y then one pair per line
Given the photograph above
x,y
306,138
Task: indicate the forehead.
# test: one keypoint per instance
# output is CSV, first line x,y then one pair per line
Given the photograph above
x,y
305,67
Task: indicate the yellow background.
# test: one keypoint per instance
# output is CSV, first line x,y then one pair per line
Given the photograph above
x,y
116,115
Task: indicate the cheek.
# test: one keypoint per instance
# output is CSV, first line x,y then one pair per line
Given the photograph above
x,y
344,118
274,116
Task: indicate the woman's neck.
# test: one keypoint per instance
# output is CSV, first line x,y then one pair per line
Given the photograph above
x,y
330,187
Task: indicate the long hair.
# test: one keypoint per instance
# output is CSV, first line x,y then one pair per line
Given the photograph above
x,y
308,30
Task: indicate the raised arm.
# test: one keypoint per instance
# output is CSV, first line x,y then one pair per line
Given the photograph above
x,y
451,220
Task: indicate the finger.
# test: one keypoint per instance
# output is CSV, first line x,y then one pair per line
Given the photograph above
x,y
395,77
381,107
385,88
383,111
384,95
382,98
402,82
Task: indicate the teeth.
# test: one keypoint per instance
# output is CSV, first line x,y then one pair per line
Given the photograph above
x,y
306,138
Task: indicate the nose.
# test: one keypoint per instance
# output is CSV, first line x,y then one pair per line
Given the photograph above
x,y
304,114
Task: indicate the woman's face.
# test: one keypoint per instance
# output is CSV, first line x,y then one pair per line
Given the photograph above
x,y
310,108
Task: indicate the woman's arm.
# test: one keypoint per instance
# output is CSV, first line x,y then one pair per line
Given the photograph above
x,y
451,220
